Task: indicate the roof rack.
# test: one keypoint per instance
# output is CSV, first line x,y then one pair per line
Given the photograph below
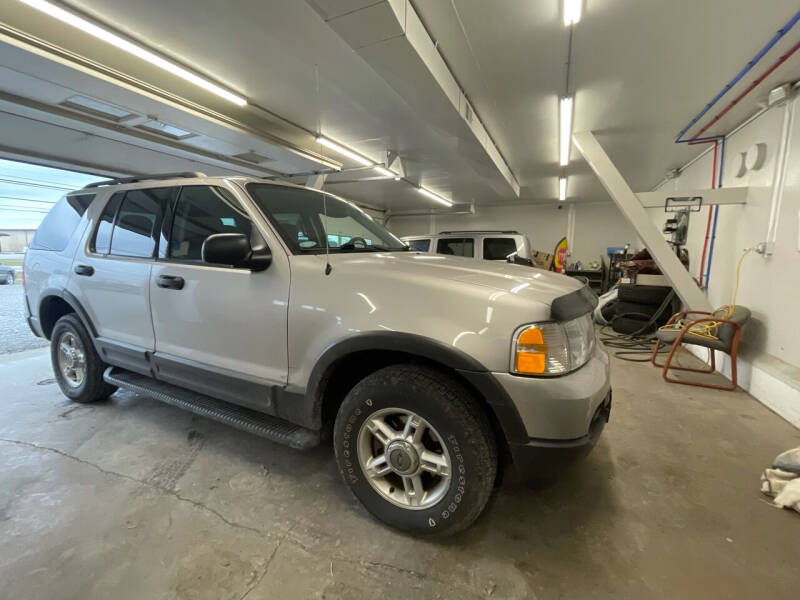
x,y
479,231
122,180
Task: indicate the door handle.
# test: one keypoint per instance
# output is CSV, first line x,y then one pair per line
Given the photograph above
x,y
85,270
170,282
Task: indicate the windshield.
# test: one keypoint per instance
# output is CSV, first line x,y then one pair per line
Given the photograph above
x,y
299,215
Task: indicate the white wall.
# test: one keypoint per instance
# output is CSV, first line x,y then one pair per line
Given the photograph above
x,y
770,286
597,225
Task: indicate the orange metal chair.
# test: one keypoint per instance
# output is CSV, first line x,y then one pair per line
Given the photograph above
x,y
726,339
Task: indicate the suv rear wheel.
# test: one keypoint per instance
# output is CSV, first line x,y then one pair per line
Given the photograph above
x,y
416,450
76,364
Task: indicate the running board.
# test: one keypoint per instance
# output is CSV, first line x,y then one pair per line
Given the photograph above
x,y
257,423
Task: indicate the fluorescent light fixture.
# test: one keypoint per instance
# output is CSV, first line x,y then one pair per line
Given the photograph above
x,y
131,48
572,11
435,197
344,151
385,172
562,188
565,138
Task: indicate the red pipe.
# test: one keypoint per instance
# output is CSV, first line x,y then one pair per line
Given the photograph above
x,y
710,208
749,88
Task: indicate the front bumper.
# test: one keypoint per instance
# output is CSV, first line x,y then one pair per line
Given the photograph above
x,y
545,458
562,416
559,408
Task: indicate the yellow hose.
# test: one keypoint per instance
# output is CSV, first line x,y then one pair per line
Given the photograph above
x,y
709,329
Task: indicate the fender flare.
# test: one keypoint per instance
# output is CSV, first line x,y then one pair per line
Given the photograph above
x,y
74,303
465,365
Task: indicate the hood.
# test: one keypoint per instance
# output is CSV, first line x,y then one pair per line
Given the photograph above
x,y
535,284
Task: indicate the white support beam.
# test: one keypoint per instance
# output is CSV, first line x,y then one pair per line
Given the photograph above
x,y
316,181
731,195
632,208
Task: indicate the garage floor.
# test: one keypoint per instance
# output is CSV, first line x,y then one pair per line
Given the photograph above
x,y
135,499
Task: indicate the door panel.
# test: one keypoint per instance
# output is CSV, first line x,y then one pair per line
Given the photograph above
x,y
111,273
224,320
227,318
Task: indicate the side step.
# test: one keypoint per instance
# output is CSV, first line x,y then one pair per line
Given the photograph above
x,y
252,421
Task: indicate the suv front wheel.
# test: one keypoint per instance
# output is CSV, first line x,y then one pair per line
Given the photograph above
x,y
76,364
416,449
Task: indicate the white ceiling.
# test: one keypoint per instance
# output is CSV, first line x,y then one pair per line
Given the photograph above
x,y
640,71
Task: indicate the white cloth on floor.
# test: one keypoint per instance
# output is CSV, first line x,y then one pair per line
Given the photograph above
x,y
782,481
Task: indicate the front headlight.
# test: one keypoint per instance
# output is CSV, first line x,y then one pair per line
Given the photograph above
x,y
552,348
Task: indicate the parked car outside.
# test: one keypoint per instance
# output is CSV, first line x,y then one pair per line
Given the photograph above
x,y
6,275
223,296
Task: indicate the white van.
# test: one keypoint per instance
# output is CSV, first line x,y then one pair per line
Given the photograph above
x,y
486,245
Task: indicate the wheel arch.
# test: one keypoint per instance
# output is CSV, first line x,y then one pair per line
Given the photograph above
x,y
57,303
347,362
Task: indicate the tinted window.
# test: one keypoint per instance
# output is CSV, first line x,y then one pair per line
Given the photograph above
x,y
203,211
419,245
307,219
456,247
102,235
139,221
498,248
60,223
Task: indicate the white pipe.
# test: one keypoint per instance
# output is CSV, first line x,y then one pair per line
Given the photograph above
x,y
780,177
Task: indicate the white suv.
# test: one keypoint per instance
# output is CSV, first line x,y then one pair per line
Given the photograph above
x,y
226,297
509,246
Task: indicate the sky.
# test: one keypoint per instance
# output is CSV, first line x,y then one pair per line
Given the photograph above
x,y
27,192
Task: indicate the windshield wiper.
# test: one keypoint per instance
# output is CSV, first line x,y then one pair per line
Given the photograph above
x,y
372,248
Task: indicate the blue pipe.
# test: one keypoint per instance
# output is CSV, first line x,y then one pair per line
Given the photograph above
x,y
711,247
780,33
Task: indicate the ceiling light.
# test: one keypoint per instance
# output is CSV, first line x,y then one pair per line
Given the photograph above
x,y
123,44
345,151
572,11
435,197
385,172
565,106
562,188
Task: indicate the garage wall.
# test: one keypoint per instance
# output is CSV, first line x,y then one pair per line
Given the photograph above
x,y
597,225
770,286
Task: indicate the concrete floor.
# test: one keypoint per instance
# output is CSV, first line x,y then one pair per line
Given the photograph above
x,y
134,499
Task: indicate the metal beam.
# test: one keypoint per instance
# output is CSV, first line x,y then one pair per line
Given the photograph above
x,y
632,208
711,197
316,181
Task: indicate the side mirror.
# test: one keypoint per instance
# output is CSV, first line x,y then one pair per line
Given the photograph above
x,y
234,249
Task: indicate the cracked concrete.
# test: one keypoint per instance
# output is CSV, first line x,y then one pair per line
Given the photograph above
x,y
134,499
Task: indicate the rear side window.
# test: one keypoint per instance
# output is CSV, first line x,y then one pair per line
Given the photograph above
x,y
498,248
60,223
456,247
203,211
138,222
101,244
419,245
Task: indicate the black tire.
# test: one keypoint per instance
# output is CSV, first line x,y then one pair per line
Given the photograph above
x,y
451,410
632,325
93,387
9,279
639,310
653,295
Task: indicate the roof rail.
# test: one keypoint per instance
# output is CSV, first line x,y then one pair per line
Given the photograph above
x,y
511,231
122,180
